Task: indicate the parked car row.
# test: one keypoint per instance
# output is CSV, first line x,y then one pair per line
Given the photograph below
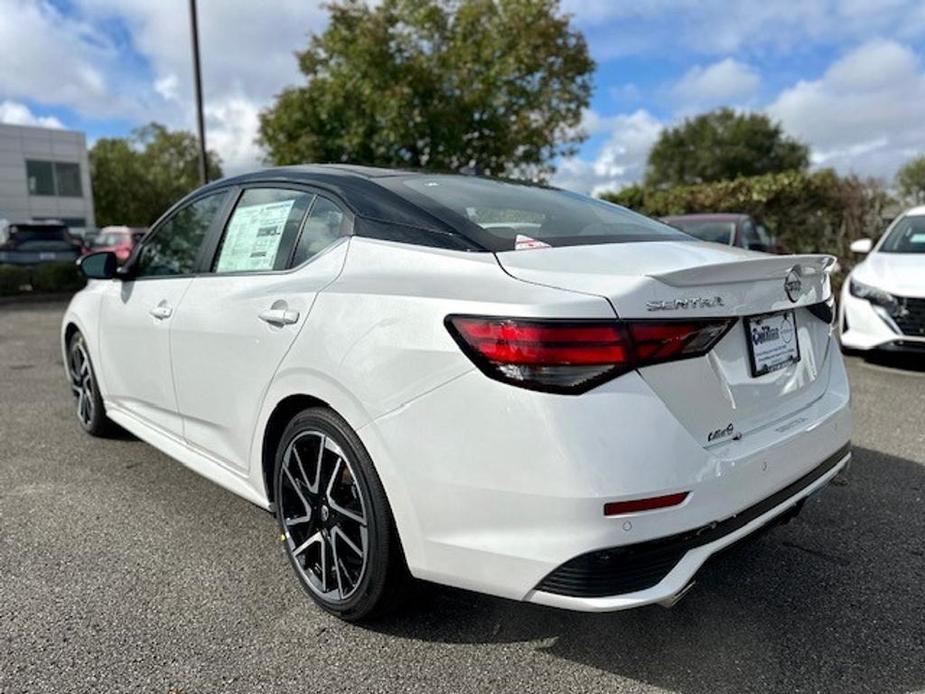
x,y
48,241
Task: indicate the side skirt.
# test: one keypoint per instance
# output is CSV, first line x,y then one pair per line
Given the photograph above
x,y
195,461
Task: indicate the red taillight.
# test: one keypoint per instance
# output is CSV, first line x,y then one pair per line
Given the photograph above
x,y
666,340
615,508
572,356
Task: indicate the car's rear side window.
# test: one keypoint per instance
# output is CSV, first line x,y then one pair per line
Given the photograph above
x,y
262,230
326,222
504,215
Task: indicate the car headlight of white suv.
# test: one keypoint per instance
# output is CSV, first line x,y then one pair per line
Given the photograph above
x,y
878,297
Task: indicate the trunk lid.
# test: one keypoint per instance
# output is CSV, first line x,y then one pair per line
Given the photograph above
x,y
684,280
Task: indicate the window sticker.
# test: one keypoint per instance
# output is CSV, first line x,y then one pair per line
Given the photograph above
x,y
523,242
918,238
253,236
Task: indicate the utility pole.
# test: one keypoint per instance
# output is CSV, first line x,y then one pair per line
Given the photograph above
x,y
197,86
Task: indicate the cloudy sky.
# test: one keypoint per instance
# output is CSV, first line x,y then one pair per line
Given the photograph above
x,y
845,76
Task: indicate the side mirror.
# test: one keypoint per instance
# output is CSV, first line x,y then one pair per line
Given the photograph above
x,y
99,266
862,246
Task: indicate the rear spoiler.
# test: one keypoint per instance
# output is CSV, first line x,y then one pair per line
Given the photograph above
x,y
749,270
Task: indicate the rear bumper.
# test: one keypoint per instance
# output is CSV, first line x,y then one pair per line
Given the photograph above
x,y
513,485
660,571
31,259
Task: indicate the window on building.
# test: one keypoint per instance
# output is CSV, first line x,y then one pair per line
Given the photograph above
x,y
54,178
41,176
67,179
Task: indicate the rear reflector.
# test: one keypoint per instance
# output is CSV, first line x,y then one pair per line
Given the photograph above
x,y
615,508
573,356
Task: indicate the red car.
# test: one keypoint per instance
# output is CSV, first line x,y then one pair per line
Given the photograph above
x,y
119,240
729,229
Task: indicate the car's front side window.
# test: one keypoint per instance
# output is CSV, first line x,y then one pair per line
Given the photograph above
x,y
262,230
173,247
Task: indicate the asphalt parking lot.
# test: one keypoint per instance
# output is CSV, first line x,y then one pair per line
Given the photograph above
x,y
121,571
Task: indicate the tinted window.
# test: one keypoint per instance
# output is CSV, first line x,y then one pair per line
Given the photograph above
x,y
324,225
262,230
39,237
765,236
67,179
714,232
173,247
907,236
41,177
750,238
109,238
502,214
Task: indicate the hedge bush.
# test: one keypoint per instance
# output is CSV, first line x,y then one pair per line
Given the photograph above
x,y
47,277
818,212
13,279
57,277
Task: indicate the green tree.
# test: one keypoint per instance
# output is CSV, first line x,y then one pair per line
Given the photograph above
x,y
437,84
136,178
722,145
911,180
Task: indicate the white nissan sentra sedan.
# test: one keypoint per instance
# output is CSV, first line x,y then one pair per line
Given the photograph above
x,y
883,301
503,387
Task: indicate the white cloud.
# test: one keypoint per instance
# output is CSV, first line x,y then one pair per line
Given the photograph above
x,y
246,51
620,161
19,114
724,82
52,58
167,87
865,114
231,127
711,27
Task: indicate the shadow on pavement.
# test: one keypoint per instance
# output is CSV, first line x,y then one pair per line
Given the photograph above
x,y
913,361
835,598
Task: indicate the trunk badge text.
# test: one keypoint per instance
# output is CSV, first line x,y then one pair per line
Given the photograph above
x,y
685,304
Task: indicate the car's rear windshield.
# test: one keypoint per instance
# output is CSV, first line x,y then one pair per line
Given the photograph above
x,y
38,232
110,238
503,216
706,230
907,236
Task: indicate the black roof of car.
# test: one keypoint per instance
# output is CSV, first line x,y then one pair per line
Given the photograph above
x,y
361,189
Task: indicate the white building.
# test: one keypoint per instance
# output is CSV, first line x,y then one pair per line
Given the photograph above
x,y
45,174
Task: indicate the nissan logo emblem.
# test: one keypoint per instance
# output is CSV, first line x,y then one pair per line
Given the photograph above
x,y
793,284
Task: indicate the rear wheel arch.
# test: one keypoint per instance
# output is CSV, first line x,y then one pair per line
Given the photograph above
x,y
69,331
279,419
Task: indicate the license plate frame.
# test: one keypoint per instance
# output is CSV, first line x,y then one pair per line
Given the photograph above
x,y
762,358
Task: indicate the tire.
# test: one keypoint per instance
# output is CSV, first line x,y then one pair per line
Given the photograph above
x,y
91,413
335,522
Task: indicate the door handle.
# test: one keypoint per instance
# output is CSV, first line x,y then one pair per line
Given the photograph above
x,y
161,311
279,316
